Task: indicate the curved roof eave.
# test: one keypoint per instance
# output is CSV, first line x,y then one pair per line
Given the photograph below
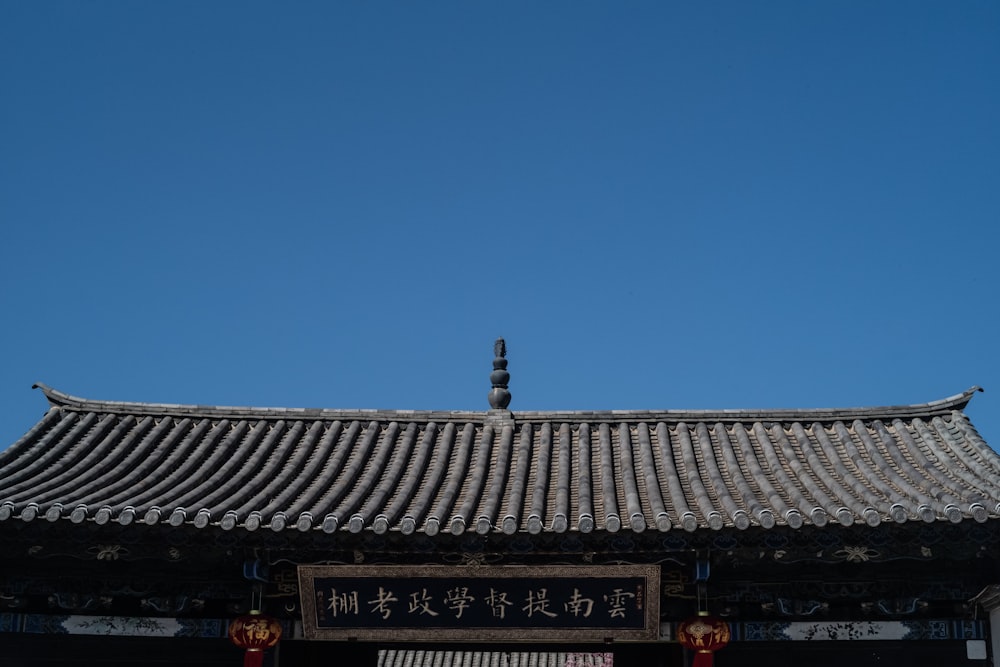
x,y
959,401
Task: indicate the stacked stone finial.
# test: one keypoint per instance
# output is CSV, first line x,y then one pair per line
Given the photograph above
x,y
499,396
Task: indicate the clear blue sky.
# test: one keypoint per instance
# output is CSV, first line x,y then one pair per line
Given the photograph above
x,y
659,205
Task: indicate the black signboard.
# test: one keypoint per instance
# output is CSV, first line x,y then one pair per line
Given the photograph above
x,y
517,602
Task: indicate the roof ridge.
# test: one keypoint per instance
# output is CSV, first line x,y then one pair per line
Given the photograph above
x,y
60,399
940,406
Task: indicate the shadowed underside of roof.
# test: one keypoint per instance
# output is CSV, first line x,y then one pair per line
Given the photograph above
x,y
327,470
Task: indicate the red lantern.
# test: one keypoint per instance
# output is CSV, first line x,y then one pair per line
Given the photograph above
x,y
255,633
704,635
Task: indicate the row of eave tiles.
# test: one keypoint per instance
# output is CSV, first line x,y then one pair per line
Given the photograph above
x,y
411,658
454,477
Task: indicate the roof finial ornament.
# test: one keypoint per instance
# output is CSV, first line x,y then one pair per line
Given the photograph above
x,y
499,396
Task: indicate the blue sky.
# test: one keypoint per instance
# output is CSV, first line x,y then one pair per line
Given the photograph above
x,y
691,205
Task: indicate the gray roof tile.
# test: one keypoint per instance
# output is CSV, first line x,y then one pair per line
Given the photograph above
x,y
358,470
418,658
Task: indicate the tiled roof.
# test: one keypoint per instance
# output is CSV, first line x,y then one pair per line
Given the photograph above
x,y
416,658
255,469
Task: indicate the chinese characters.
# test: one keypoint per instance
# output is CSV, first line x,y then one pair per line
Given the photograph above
x,y
474,602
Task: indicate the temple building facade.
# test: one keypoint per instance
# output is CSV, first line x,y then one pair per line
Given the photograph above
x,y
136,533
